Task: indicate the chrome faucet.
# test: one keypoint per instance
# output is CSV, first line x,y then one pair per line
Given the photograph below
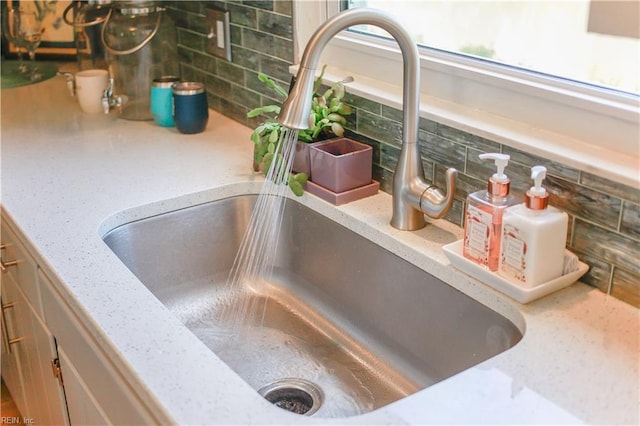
x,y
412,196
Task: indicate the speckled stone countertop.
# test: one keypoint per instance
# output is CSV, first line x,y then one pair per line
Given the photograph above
x,y
67,178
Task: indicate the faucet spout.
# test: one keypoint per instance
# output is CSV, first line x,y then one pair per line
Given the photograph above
x,y
413,197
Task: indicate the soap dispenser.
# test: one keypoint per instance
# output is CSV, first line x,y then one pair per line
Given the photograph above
x,y
483,216
534,236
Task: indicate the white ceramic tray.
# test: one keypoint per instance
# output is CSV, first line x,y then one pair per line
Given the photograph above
x,y
523,295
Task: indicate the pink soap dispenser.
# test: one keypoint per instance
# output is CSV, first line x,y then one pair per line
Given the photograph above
x,y
483,216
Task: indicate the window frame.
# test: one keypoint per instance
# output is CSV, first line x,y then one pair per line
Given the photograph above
x,y
575,123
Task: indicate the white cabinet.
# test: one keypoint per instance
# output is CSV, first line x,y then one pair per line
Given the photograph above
x,y
101,387
28,348
83,407
61,380
12,351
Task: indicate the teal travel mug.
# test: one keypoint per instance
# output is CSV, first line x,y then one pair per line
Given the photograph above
x,y
162,100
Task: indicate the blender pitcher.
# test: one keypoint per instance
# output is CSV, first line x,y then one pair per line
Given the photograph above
x,y
141,43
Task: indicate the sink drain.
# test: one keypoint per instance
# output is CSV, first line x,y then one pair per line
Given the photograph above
x,y
296,395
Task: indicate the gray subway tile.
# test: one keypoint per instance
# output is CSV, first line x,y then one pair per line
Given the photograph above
x,y
260,4
244,97
606,245
188,6
258,41
230,72
626,286
235,36
235,112
246,58
191,40
397,115
284,7
468,139
585,203
279,25
630,224
456,214
204,62
242,15
389,155
599,273
283,49
363,104
378,127
553,167
218,86
441,150
385,177
611,187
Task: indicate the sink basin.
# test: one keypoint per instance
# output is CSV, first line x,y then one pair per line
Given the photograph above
x,y
345,327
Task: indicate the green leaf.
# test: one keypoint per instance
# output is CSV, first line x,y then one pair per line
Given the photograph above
x,y
273,137
266,162
263,110
255,138
318,82
301,177
272,84
338,89
337,129
305,136
344,109
337,118
296,187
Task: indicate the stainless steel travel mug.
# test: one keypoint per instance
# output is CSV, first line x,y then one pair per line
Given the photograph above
x,y
191,111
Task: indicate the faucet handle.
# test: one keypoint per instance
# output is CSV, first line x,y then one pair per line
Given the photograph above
x,y
433,202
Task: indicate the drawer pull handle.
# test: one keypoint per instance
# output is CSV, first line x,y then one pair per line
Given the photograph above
x,y
5,334
5,265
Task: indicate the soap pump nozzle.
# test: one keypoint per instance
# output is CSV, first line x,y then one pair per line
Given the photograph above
x,y
499,182
537,198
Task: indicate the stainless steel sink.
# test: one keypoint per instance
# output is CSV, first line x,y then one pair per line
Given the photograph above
x,y
346,323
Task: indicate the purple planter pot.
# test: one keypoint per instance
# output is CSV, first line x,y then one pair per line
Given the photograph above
x,y
341,164
301,161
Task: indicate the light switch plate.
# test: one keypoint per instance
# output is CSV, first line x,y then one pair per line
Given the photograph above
x,y
218,34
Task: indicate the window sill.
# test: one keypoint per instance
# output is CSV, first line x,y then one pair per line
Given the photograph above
x,y
605,163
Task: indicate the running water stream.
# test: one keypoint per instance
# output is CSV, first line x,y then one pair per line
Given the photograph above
x,y
253,265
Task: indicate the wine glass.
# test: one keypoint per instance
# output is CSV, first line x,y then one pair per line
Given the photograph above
x,y
10,25
29,32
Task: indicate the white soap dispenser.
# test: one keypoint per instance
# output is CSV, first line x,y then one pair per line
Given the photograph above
x,y
483,215
534,236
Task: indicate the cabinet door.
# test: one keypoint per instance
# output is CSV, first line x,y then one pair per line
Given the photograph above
x,y
13,354
39,396
83,407
53,406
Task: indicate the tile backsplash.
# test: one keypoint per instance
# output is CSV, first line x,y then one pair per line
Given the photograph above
x,y
604,227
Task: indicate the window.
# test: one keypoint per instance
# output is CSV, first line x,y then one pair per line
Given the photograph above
x,y
561,38
574,119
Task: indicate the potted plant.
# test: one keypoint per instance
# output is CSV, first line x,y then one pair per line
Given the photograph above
x,y
327,119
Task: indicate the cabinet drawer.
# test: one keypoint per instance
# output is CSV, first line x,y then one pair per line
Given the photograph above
x,y
21,267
